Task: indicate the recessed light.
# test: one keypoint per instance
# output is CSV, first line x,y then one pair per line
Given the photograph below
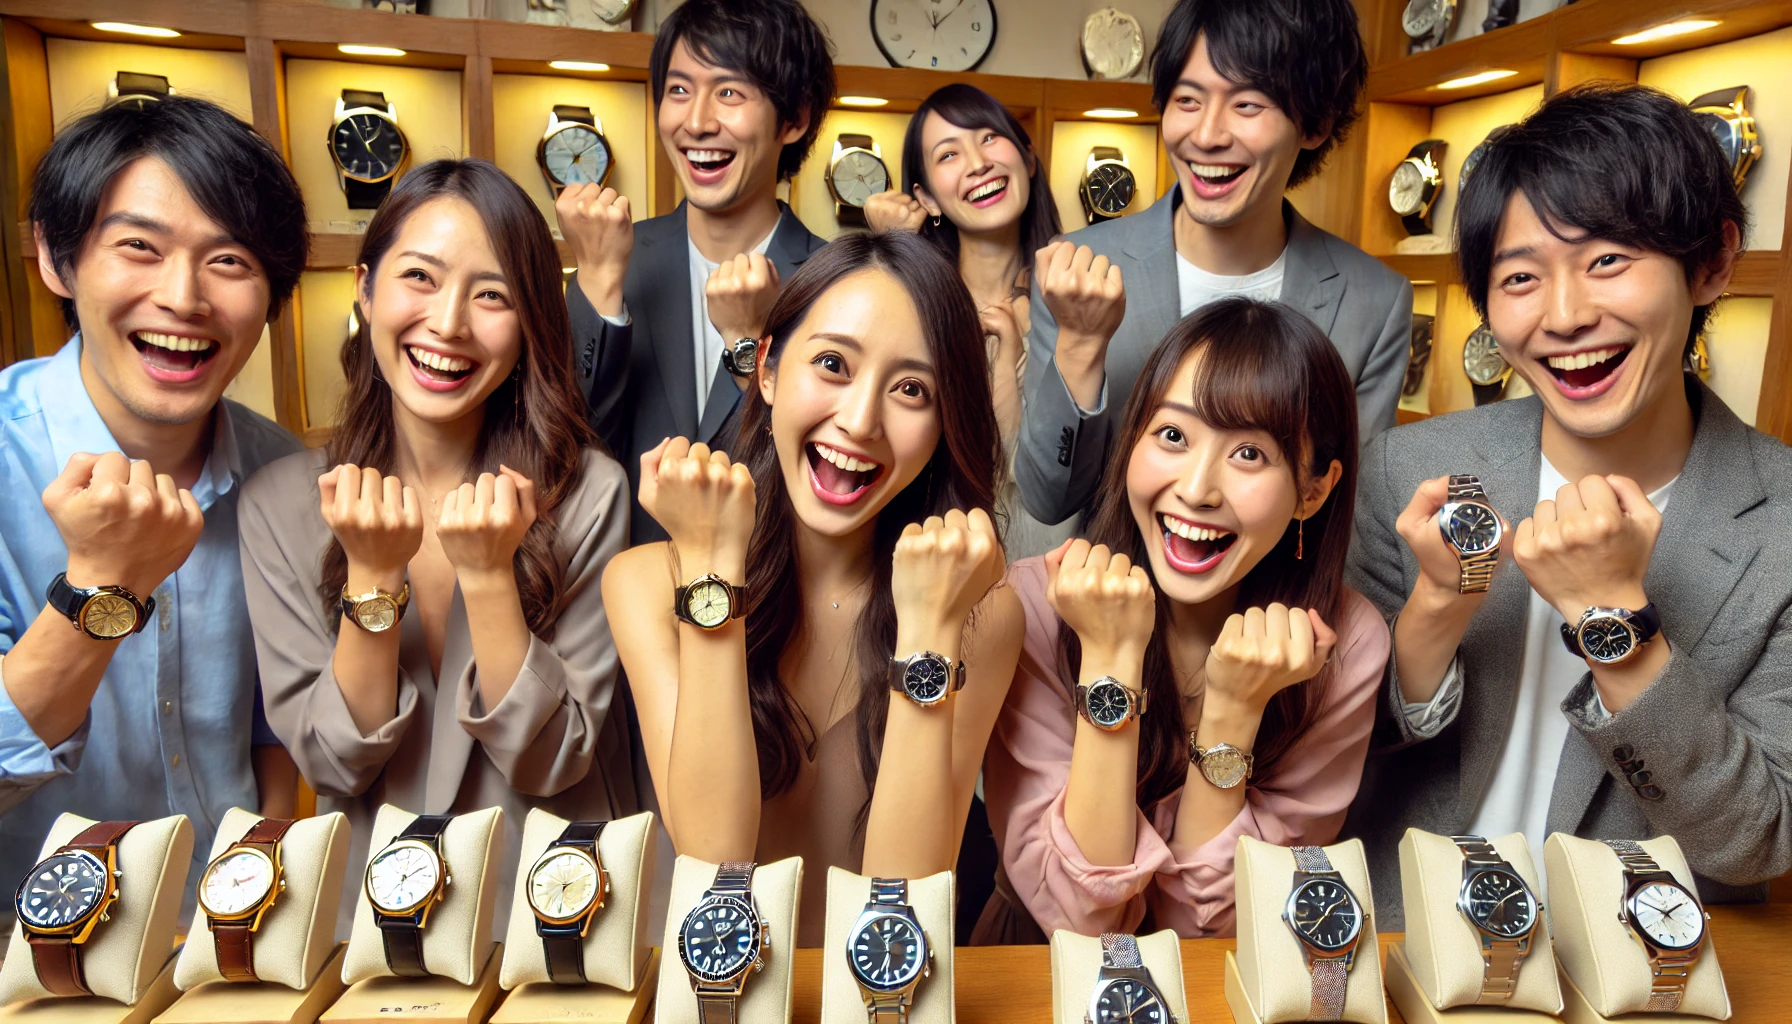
x,y
577,65
863,101
135,30
1468,80
1110,112
358,50
1668,31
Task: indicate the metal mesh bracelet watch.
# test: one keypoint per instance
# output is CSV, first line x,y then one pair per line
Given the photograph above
x,y
1477,569
1330,974
1669,969
1120,951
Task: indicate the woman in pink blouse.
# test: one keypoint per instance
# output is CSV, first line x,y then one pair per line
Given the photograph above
x,y
1230,676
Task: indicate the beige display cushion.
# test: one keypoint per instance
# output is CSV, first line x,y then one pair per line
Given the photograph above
x,y
125,954
1415,1006
1597,949
1271,963
418,1000
1443,949
777,891
457,939
1076,966
616,943
547,1003
842,1002
297,934
225,1002
95,1010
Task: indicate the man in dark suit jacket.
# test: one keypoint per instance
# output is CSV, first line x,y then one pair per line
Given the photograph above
x,y
659,309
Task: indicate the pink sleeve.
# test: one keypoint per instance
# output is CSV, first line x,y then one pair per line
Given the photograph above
x,y
1026,774
1301,803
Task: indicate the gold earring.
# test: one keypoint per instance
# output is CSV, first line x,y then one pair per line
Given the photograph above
x,y
1300,539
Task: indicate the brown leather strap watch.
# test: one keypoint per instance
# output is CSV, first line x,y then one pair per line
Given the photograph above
x,y
236,890
64,897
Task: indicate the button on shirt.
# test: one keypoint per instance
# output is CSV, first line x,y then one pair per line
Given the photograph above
x,y
704,335
171,723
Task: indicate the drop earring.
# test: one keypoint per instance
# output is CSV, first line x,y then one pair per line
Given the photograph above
x,y
1300,539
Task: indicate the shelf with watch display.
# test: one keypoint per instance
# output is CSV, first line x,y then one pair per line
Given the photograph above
x,y
887,955
729,943
1115,977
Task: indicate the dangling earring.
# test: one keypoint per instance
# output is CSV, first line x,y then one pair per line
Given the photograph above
x,y
1300,539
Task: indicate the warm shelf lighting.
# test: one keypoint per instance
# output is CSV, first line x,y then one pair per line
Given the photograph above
x,y
1110,112
129,29
358,50
1468,80
1668,31
577,65
863,101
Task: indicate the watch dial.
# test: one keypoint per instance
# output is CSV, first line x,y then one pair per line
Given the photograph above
x,y
1113,45
1472,528
1607,638
1225,767
926,680
61,890
563,885
1500,902
888,953
1128,1001
1406,189
1325,913
1111,189
947,35
1481,359
377,615
708,602
367,146
719,940
236,883
576,155
1109,704
1421,17
857,176
109,616
1668,915
400,878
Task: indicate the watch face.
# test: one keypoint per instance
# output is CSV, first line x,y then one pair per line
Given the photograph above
x,y
857,176
563,884
236,883
402,876
927,679
377,614
1325,913
1500,902
1225,767
1110,189
576,155
742,357
720,939
1607,638
1725,131
1668,915
1481,359
933,34
1108,704
708,603
887,953
368,147
61,890
1113,44
1406,189
1421,17
1127,1001
108,616
1471,527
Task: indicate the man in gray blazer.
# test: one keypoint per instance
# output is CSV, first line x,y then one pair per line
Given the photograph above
x,y
1237,138
1652,528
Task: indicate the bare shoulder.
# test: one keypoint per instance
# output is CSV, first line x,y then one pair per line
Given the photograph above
x,y
999,622
637,578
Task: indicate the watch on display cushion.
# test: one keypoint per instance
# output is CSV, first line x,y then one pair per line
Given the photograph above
x,y
574,150
855,174
1725,113
887,952
567,886
64,898
103,613
1327,920
1497,902
1487,370
1414,186
1665,918
926,678
722,941
236,891
1611,636
1108,186
1125,992
404,882
367,147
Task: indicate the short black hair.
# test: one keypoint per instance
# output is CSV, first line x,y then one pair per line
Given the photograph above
x,y
1620,162
1306,55
773,42
232,173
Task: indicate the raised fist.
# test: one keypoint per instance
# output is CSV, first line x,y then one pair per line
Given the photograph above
x,y
894,210
943,568
1591,546
1087,299
1264,651
376,520
123,523
596,224
482,524
705,503
1440,570
740,293
1106,599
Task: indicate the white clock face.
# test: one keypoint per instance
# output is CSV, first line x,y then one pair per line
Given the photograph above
x,y
858,176
1669,915
1406,190
236,883
576,156
1481,358
563,886
401,878
943,35
1113,45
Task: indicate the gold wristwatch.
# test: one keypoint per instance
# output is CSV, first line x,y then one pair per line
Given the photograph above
x,y
236,892
1496,901
377,610
1108,186
1725,113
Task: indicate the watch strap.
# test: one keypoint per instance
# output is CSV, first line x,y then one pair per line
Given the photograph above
x,y
563,945
1486,394
135,83
1331,983
1118,950
734,877
1728,99
365,98
889,892
1416,223
365,195
570,112
717,1008
1312,859
99,835
58,965
403,939
266,832
1098,154
855,140
428,827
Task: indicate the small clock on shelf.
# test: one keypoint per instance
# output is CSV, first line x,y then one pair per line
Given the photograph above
x,y
1113,45
941,35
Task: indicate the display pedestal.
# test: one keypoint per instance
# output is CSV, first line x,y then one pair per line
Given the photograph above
x,y
435,1000
933,903
543,1002
1236,1000
1076,967
1423,245
1416,1008
97,1009
1577,1010
264,1002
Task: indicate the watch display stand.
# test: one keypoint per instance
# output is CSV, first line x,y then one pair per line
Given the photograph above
x,y
1605,970
1076,965
457,940
122,960
616,944
225,1002
547,1003
777,892
1440,961
1268,981
297,933
419,1000
933,902
1423,245
96,1009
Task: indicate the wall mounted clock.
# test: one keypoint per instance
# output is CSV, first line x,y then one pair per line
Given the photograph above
x,y
942,35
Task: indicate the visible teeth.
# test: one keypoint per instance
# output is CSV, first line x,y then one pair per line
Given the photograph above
x,y
1215,170
174,342
707,156
1189,531
1582,360
988,188
845,461
437,361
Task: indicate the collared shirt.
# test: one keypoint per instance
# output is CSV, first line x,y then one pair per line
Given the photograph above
x,y
706,338
171,723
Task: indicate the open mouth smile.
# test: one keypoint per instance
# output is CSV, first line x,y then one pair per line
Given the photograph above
x,y
707,164
1212,181
1587,373
173,358
438,371
838,477
1194,548
987,194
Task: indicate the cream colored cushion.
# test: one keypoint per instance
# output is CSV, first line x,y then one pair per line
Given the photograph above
x,y
931,897
1076,965
124,954
777,888
616,944
1272,964
457,937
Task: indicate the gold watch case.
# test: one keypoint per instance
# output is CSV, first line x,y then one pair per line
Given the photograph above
x,y
376,611
585,914
81,928
108,616
254,913
424,904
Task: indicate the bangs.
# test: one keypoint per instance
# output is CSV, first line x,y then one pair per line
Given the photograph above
x,y
1244,380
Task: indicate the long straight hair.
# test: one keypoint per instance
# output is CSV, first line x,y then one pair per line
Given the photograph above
x,y
1265,367
534,421
960,474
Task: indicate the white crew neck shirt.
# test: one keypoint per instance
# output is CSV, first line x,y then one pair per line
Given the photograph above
x,y
1197,288
705,338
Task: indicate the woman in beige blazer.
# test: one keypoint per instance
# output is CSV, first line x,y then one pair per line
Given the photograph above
x,y
462,484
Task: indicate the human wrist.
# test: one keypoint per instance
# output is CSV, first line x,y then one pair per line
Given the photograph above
x,y
1225,720
477,583
1440,606
694,560
940,638
1117,661
363,579
602,286
86,574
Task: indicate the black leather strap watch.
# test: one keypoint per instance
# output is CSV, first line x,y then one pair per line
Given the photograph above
x,y
402,933
103,613
137,89
1611,635
567,886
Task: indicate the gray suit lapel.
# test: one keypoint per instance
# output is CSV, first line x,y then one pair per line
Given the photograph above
x,y
1153,296
1311,282
665,264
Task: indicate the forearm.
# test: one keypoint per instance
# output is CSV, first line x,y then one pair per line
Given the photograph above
x,y
1004,387
1426,637
366,664
713,773
910,830
1206,809
1082,362
602,287
52,673
276,780
497,629
1101,799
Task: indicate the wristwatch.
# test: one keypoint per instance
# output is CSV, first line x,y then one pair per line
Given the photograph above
x,y
1414,188
1223,765
1665,917
1107,186
138,89
1108,704
709,601
1500,13
926,678
1499,905
367,147
404,883
567,887
1487,370
237,889
574,149
64,898
1611,636
1418,354
1473,530
741,356
1428,22
103,613
1725,113
375,611
888,953
1327,919
1124,990
856,172
722,940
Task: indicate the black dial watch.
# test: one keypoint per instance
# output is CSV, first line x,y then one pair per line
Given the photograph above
x,y
1611,636
1327,920
404,882
103,613
722,941
1473,530
1124,991
137,89
926,678
1108,704
1107,186
1496,901
64,898
567,887
741,356
888,953
367,147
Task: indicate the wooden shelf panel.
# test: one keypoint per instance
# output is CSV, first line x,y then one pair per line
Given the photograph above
x,y
1523,48
1430,268
1760,274
1591,25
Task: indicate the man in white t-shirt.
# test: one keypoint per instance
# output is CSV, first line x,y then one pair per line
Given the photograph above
x,y
1626,669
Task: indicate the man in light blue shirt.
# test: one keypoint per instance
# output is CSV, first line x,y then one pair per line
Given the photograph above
x,y
173,233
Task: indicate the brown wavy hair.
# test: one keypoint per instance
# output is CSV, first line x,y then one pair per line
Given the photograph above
x,y
534,421
1266,367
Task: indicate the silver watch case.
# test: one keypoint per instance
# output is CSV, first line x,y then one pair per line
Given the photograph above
x,y
873,913
1470,872
734,983
1448,512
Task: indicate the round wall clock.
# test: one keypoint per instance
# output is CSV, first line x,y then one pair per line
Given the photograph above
x,y
943,35
1113,45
